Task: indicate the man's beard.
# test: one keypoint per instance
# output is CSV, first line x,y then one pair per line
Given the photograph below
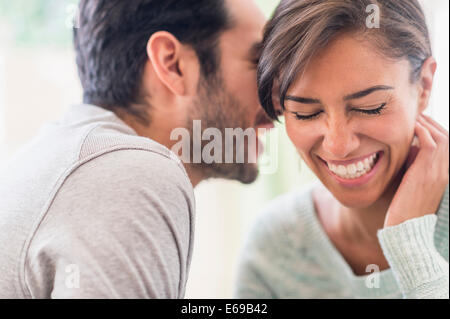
x,y
218,109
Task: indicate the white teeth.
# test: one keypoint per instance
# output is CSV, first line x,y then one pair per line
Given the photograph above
x,y
360,166
351,169
354,170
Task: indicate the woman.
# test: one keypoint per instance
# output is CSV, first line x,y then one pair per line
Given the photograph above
x,y
353,98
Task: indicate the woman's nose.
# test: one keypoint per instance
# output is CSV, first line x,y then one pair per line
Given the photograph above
x,y
340,139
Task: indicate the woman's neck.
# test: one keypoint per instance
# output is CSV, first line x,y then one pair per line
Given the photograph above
x,y
363,223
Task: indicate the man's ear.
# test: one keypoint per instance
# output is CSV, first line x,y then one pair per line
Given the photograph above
x,y
164,50
426,83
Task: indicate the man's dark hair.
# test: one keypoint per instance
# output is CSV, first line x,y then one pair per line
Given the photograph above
x,y
112,37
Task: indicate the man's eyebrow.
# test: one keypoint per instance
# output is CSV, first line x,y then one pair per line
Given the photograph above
x,y
366,92
303,100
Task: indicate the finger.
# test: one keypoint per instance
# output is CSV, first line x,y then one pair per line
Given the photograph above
x,y
442,146
437,135
413,151
425,139
435,124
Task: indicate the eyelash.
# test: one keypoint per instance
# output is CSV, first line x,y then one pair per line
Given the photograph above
x,y
376,111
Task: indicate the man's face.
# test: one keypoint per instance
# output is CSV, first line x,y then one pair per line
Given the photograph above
x,y
231,100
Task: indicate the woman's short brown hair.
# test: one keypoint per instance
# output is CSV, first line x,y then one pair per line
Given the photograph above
x,y
300,28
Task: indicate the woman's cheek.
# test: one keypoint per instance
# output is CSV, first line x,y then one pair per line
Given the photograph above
x,y
402,134
302,134
394,130
397,128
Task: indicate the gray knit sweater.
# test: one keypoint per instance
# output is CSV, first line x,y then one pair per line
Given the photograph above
x,y
289,255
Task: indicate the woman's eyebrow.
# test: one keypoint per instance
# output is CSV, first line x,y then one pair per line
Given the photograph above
x,y
303,100
354,96
366,92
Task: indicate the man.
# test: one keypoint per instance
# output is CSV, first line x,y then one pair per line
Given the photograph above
x,y
97,206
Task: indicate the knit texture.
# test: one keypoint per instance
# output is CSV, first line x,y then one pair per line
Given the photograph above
x,y
289,255
89,209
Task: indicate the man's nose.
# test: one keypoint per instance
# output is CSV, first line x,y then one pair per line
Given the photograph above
x,y
340,139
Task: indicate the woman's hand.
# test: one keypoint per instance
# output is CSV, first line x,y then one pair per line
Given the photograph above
x,y
427,176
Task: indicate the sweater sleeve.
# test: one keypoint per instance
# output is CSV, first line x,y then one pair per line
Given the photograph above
x,y
421,272
118,228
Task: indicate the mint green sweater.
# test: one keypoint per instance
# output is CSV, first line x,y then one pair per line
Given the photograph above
x,y
289,255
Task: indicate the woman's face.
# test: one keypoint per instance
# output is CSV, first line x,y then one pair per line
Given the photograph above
x,y
351,116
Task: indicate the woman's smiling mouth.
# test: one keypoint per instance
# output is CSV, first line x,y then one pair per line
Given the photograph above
x,y
354,172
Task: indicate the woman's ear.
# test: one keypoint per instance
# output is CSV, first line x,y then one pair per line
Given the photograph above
x,y
426,83
164,51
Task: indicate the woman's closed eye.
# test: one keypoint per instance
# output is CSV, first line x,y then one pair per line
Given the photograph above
x,y
302,117
371,110
375,110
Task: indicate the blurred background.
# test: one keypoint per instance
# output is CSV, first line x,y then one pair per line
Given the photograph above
x,y
38,82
